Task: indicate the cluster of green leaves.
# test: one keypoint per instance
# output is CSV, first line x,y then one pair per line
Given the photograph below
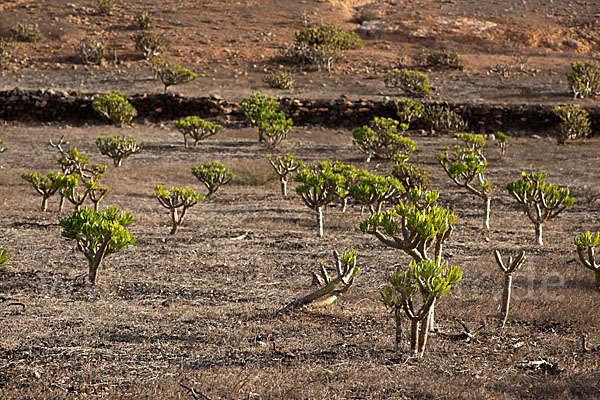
x,y
261,111
45,185
255,106
98,234
412,83
8,50
118,147
4,260
196,128
443,119
409,110
411,176
575,123
541,201
442,59
382,139
171,74
115,108
174,199
213,175
373,191
23,32
501,141
279,79
150,44
91,51
283,166
586,244
584,79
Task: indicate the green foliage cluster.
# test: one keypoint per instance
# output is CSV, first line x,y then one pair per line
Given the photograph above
x,y
586,244
261,111
412,83
411,176
150,44
174,199
115,108
8,50
443,119
23,32
283,166
91,51
4,260
2,148
584,79
171,74
45,185
213,175
442,59
279,79
501,141
373,191
118,147
575,123
98,234
255,106
409,110
541,201
196,128
382,139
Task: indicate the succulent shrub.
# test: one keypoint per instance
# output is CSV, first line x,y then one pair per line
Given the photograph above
x,y
115,108
508,269
91,51
106,6
150,44
8,50
4,260
330,289
174,199
279,79
575,123
586,244
382,139
349,173
256,106
443,59
283,166
171,74
501,142
429,279
274,127
541,201
584,79
409,110
411,176
373,191
144,19
98,235
320,186
71,190
118,147
45,185
213,175
467,168
23,32
443,119
95,192
412,83
196,128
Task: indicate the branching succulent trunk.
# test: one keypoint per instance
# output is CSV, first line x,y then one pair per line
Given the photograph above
x,y
283,181
488,205
320,220
506,297
509,268
95,260
538,234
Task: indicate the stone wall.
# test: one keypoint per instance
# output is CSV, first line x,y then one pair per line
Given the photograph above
x,y
50,105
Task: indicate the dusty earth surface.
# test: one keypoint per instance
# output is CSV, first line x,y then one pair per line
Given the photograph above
x,y
196,309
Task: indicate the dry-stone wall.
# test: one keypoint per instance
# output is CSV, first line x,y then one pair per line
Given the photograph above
x,y
50,105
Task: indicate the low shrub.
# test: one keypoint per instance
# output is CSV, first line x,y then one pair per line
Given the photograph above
x,y
442,59
144,20
443,119
409,110
382,139
23,32
256,107
115,108
196,128
501,141
279,79
575,123
106,6
213,175
174,199
118,147
412,83
150,44
274,127
584,79
91,51
171,74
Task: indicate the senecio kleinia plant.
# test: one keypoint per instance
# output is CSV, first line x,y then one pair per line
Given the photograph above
x,y
330,289
283,166
584,79
382,139
374,191
115,108
320,186
411,176
256,107
586,244
429,279
508,269
174,199
575,123
213,175
279,79
171,74
274,127
118,147
150,44
541,201
467,167
409,110
98,234
501,142
412,83
196,128
45,185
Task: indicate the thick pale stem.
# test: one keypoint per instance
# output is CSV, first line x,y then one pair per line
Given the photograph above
x,y
506,297
414,334
284,188
369,155
44,203
320,220
423,336
398,317
174,221
431,317
486,221
62,203
538,234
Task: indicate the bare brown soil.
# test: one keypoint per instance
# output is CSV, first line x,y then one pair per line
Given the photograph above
x,y
196,308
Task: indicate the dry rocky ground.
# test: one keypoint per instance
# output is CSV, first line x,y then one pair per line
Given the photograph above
x,y
196,308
